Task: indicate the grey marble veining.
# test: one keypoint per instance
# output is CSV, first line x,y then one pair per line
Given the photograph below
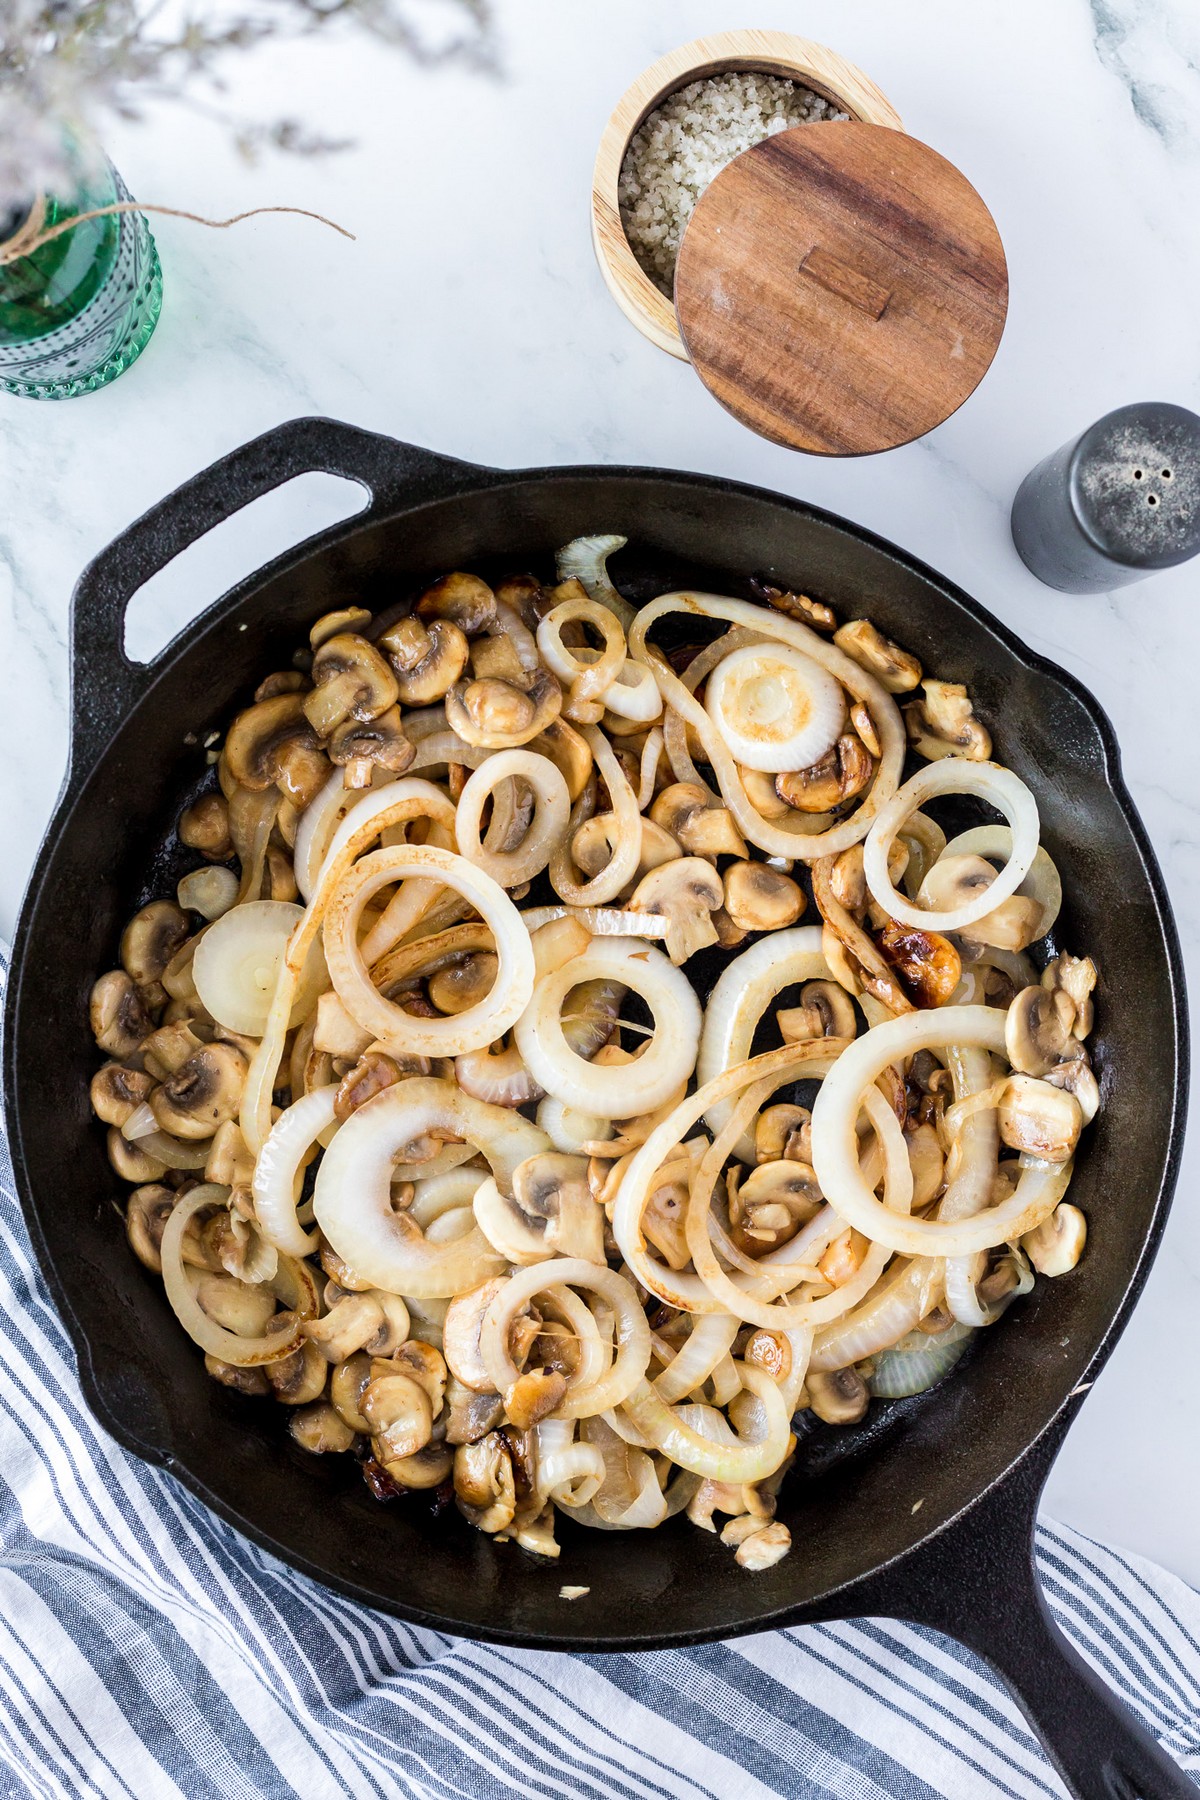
x,y
469,316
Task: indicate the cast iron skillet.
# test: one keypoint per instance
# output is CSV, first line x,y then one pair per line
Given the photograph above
x,y
927,1513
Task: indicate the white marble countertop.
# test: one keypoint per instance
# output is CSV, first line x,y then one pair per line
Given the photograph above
x,y
469,316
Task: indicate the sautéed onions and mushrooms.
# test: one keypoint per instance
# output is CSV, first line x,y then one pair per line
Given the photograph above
x,y
427,1132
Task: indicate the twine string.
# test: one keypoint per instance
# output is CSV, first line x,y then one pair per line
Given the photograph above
x,y
24,243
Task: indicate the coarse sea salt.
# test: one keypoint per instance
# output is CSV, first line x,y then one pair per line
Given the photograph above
x,y
685,142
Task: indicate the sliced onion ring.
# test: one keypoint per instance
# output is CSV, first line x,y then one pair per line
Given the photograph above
x,y
663,1427
479,1025
278,1170
237,965
632,1332
952,775
835,1143
552,809
227,1346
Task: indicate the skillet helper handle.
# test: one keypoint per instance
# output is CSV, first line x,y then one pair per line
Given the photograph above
x,y
977,1581
105,683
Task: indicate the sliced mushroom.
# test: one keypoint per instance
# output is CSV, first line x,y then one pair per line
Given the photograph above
x,y
740,1499
351,680
825,1010
252,1381
484,1483
800,606
761,899
840,775
499,715
762,1549
1039,1119
926,962
398,1411
895,668
464,599
927,1163
146,1213
151,939
464,983
428,1467
1057,1244
427,659
955,880
838,1396
944,723
664,1220
370,1075
346,1386
238,1306
330,624
495,658
424,1364
570,753
553,1186
336,1033
1077,1077
320,1428
273,742
362,745
298,1377
686,813
771,1202
864,724
204,826
119,1017
460,1335
351,1324
130,1161
760,791
843,1259
1037,1030
471,1415
117,1092
783,1132
203,1093
1076,976
534,1396
166,1050
686,893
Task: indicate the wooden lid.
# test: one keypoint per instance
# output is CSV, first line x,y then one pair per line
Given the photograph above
x,y
841,288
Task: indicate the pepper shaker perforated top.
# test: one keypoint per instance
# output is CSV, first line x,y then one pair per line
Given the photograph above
x,y
1116,503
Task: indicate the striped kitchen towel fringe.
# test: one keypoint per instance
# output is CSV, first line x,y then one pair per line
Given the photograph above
x,y
148,1652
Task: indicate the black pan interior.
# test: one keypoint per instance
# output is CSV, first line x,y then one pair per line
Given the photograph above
x,y
857,1499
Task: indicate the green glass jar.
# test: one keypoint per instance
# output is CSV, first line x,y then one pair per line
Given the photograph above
x,y
76,311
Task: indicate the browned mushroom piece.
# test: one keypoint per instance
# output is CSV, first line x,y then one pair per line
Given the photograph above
x,y
319,1428
283,681
771,1202
1038,1030
464,982
461,1331
865,726
943,723
825,1010
398,1411
893,667
1076,977
351,680
464,599
495,658
426,660
570,753
762,1549
687,893
252,1381
299,1376
354,619
809,612
117,1092
151,939
1077,1077
370,1075
204,826
273,743
838,1396
1038,1118
484,1483
840,775
428,1467
361,745
168,1048
534,1396
1056,1246
758,898
927,963
499,715
201,1094
686,813
119,1016
783,1132
146,1213
594,843
760,791
471,1415
280,875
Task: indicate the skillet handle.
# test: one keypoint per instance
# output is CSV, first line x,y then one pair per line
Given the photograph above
x,y
977,1582
105,683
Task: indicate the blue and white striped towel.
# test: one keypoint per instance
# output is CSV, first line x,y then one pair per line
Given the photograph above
x,y
147,1652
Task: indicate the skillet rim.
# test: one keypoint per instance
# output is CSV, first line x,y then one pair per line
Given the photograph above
x,y
468,480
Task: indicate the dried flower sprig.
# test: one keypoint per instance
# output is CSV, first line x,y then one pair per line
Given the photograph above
x,y
82,61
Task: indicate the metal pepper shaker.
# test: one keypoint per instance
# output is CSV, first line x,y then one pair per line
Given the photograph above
x,y
1118,502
